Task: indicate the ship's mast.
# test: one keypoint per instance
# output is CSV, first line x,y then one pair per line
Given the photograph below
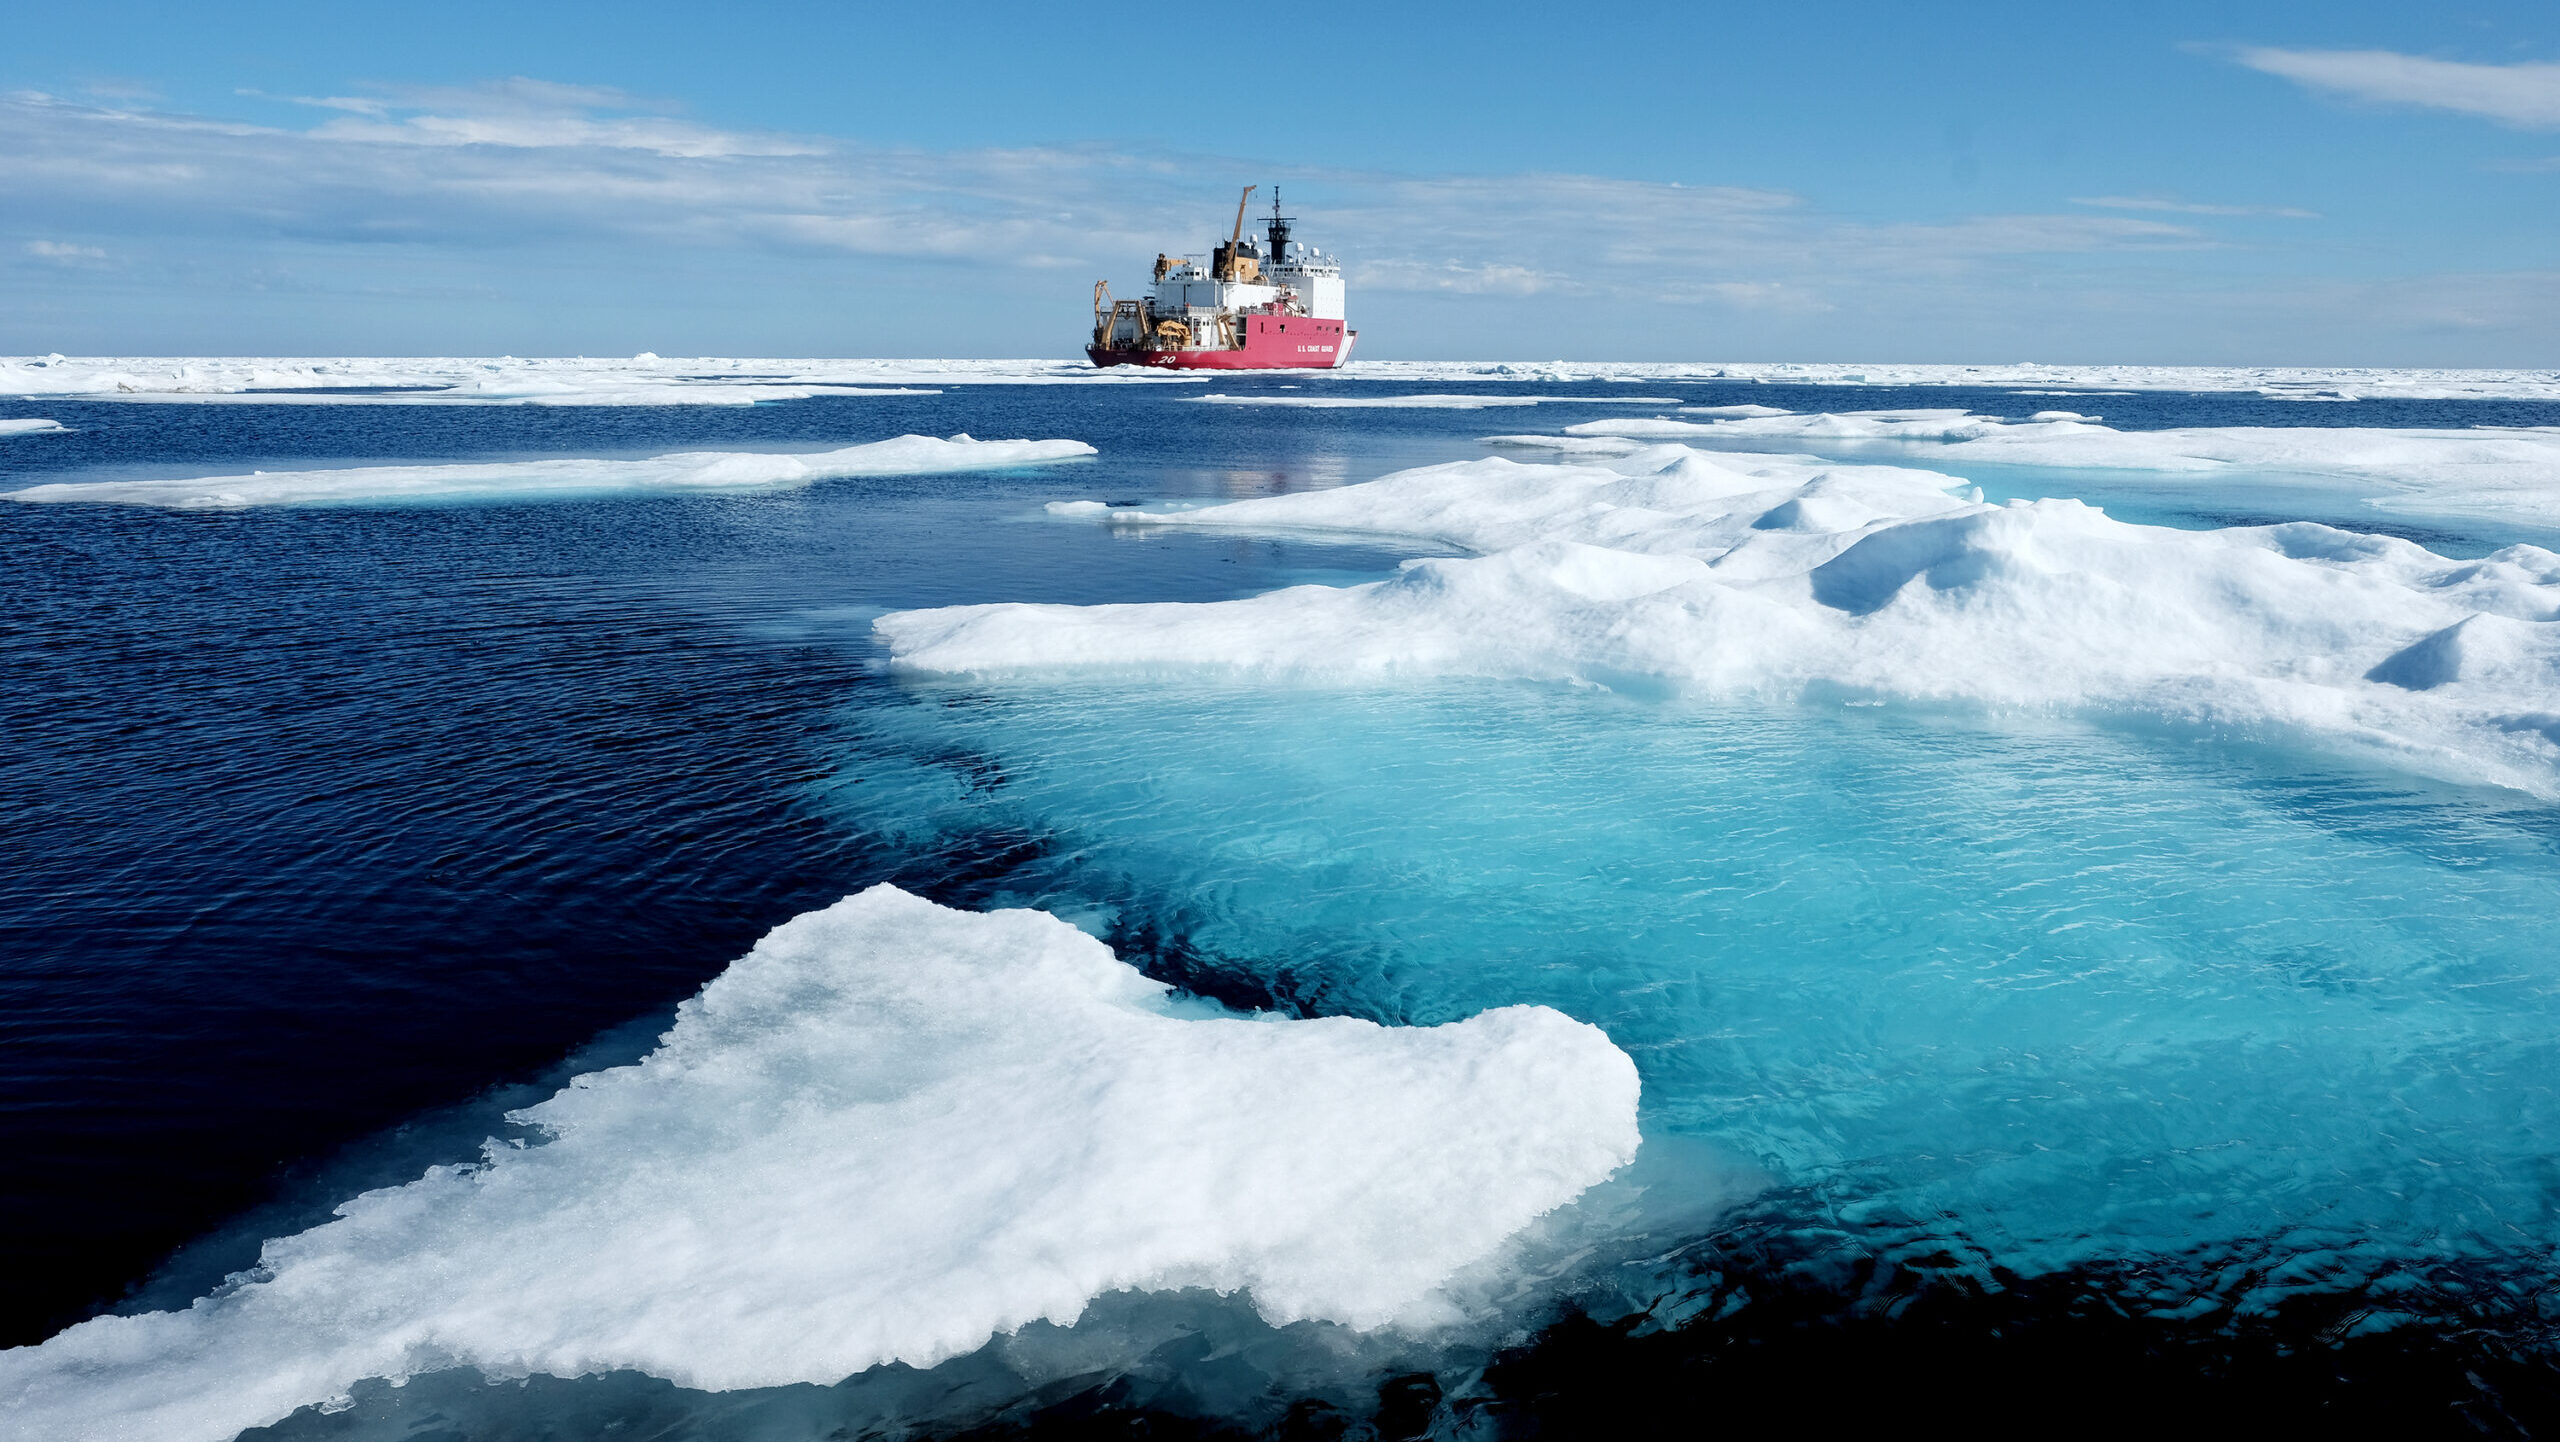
x,y
1279,230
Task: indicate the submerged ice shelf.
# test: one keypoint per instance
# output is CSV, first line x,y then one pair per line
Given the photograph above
x,y
695,471
1740,575
2234,1025
886,1134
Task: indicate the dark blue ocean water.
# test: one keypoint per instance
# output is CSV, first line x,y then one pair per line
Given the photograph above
x,y
2194,1073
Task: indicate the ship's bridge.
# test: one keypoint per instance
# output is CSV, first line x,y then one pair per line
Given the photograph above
x,y
1314,277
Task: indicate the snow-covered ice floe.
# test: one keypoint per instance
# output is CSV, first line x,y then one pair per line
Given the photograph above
x,y
2275,382
889,1132
2507,472
1670,569
687,471
31,426
1428,402
643,380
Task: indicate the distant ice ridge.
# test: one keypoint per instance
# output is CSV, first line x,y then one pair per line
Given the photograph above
x,y
652,380
687,471
31,426
2275,382
643,380
887,1133
1728,574
2500,471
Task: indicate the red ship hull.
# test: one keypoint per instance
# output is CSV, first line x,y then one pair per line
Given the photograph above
x,y
1271,342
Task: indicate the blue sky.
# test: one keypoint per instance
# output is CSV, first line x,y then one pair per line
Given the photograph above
x,y
2228,183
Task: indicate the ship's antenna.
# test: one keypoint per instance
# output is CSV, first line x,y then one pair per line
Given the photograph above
x,y
1279,230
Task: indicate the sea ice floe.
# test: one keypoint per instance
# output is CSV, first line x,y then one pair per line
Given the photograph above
x,y
1735,412
688,471
889,1132
2273,382
643,381
31,426
1731,575
2504,472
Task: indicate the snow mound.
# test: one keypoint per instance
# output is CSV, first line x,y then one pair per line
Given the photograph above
x,y
2510,472
1730,574
32,426
688,471
887,1133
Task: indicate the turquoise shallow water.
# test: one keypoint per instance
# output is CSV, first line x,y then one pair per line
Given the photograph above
x,y
2045,995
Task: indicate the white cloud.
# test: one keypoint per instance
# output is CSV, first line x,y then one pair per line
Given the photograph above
x,y
1455,277
64,253
533,129
1988,236
1755,295
2189,207
534,114
532,161
465,191
1722,246
2526,302
352,104
2526,94
561,176
118,88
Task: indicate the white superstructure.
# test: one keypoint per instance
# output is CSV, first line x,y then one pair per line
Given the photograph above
x,y
1305,282
1312,276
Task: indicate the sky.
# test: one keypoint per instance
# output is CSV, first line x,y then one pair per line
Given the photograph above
x,y
2168,183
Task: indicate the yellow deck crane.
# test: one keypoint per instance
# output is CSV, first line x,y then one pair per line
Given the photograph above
x,y
1229,265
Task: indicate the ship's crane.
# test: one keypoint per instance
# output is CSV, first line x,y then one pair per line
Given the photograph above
x,y
1230,265
1241,201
